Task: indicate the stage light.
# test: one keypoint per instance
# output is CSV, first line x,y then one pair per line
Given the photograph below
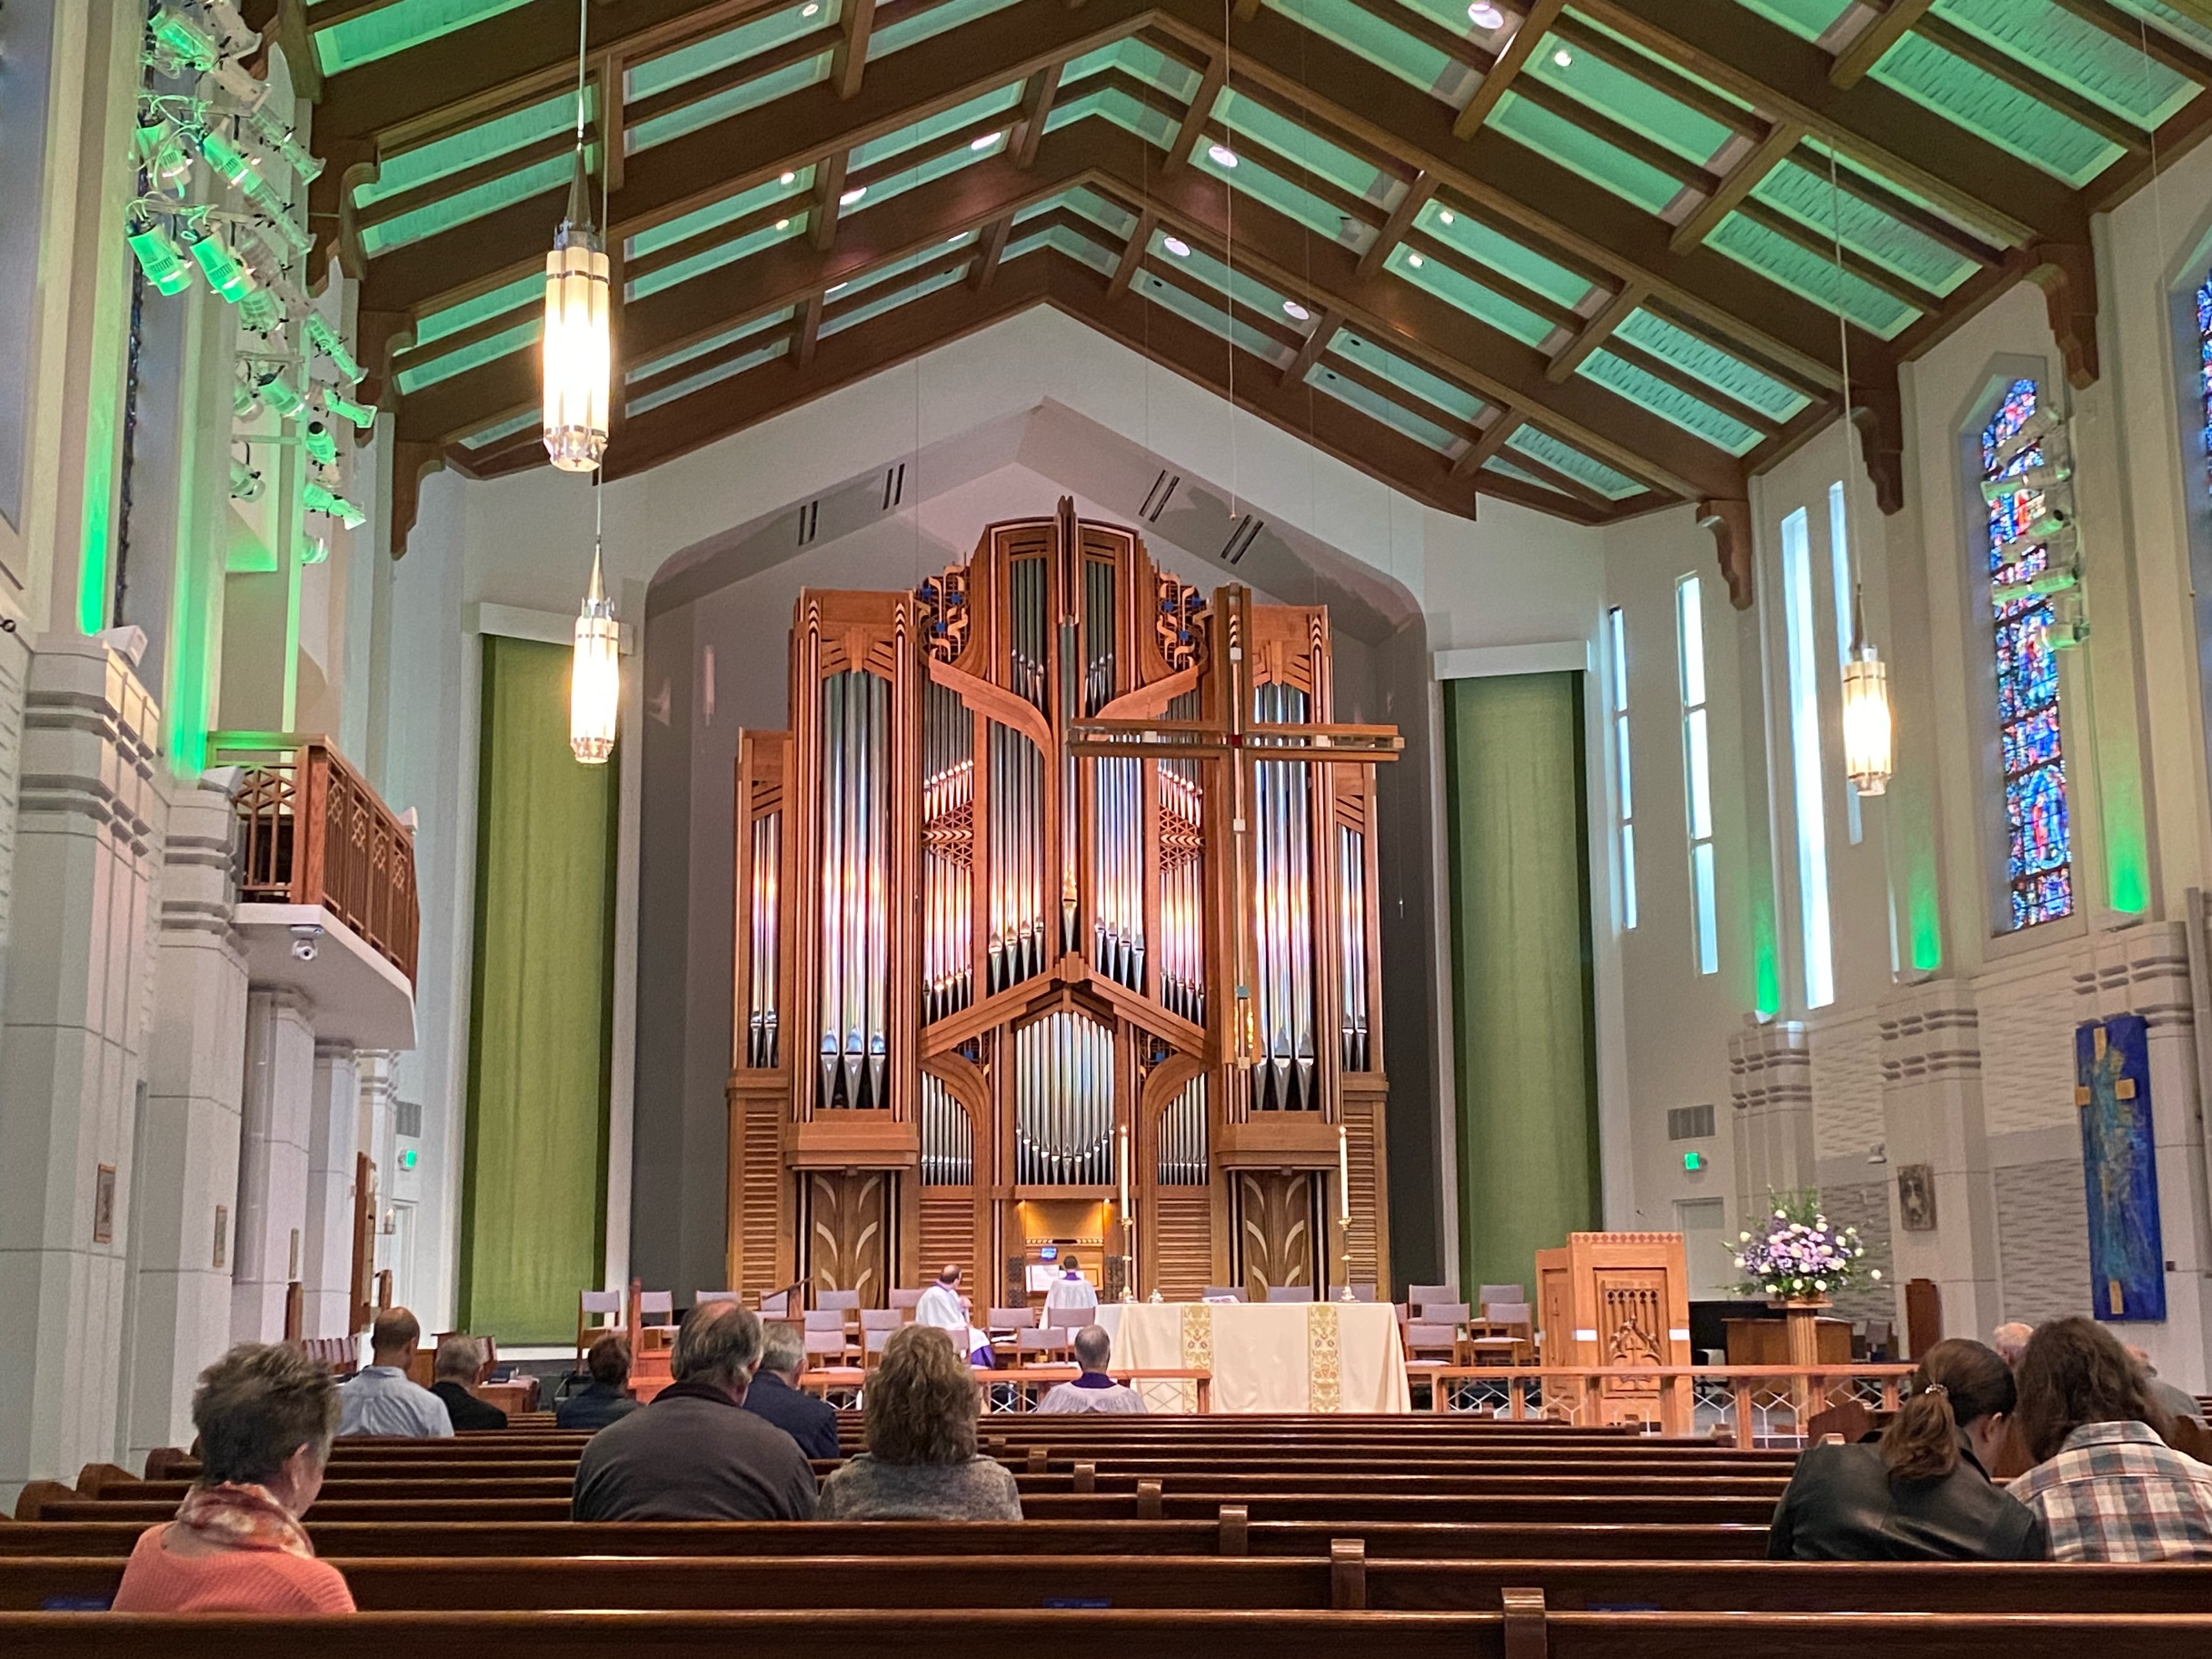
x,y
241,399
279,394
284,238
237,38
184,41
1222,155
163,151
259,311
1446,217
225,157
345,409
245,482
273,133
234,79
783,224
595,675
325,339
158,255
258,189
314,549
788,178
320,443
320,498
226,273
851,195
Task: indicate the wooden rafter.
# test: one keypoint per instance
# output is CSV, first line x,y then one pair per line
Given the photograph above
x,y
1745,176
1037,107
1874,39
1410,203
1199,112
1503,423
990,248
847,65
1133,253
1594,333
1499,79
1323,330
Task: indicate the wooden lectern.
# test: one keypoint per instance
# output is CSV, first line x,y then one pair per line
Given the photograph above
x,y
1620,1301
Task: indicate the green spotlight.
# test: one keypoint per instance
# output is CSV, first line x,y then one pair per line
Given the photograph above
x,y
226,273
158,255
325,339
314,549
259,312
241,399
225,157
163,154
276,390
321,499
245,482
345,409
180,37
322,445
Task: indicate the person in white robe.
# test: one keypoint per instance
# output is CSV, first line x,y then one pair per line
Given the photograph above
x,y
942,1306
1072,1290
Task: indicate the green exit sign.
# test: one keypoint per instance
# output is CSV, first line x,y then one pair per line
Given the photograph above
x,y
409,1157
1694,1162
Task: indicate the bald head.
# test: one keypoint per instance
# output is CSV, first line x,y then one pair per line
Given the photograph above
x,y
949,1275
2010,1341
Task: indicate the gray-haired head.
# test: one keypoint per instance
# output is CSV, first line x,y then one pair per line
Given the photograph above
x,y
1092,1346
719,1344
459,1358
2010,1341
783,1351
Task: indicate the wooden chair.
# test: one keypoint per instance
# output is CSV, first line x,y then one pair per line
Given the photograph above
x,y
1047,1346
873,1339
1235,1292
1505,1336
838,1301
703,1297
656,1320
825,1333
1289,1293
1005,1321
1430,1344
1416,1295
1362,1292
883,1320
1068,1319
599,1313
1507,1293
905,1301
1442,1313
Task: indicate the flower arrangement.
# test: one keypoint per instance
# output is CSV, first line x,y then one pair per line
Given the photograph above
x,y
1797,1252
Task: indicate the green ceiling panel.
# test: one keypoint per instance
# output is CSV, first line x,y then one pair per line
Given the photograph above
x,y
1247,289
1455,401
891,271
714,342
1000,100
1978,101
1132,57
913,29
470,147
512,297
1565,460
1614,92
1249,177
673,68
1814,277
767,352
1669,401
396,27
506,428
1506,468
1211,318
1081,249
1373,404
733,100
1809,18
2183,29
1121,110
1117,220
1469,296
1686,351
1807,198
1578,147
1249,122
465,205
937,166
714,259
1360,31
670,232
1504,255
892,300
415,376
2077,54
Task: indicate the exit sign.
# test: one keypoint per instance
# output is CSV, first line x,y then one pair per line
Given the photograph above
x,y
1694,1162
409,1157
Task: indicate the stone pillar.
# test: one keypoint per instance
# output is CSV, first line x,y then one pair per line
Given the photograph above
x,y
86,868
379,1093
1931,1111
333,1137
2145,971
1771,1086
279,1079
182,1220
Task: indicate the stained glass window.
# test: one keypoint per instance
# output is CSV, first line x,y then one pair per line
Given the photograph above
x,y
2204,365
2039,867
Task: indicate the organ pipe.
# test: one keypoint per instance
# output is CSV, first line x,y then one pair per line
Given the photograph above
x,y
1064,1102
1352,943
1283,1071
766,914
855,969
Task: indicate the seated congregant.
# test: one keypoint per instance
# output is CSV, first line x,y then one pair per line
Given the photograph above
x,y
265,1416
695,1454
605,1399
379,1399
921,1463
459,1358
1093,1391
2010,1341
2176,1404
1923,1493
2105,1483
776,1395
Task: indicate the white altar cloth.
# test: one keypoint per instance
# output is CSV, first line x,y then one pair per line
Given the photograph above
x,y
1268,1356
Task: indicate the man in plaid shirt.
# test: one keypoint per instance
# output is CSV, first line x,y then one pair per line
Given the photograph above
x,y
2107,1487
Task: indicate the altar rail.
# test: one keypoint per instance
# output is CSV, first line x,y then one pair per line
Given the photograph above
x,y
1747,1395
312,831
1014,1389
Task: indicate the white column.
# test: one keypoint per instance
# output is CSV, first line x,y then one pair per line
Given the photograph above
x,y
187,1158
279,1079
333,1137
1931,1109
86,861
1771,1086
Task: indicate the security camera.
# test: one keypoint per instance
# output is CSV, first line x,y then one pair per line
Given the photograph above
x,y
303,942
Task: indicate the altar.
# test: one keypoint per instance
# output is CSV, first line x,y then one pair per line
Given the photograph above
x,y
1267,1355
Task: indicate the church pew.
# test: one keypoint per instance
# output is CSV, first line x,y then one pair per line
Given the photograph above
x,y
1343,1580
1525,1629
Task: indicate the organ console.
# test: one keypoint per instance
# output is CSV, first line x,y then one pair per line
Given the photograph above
x,y
1056,920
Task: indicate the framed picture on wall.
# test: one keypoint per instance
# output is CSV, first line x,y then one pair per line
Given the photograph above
x,y
1916,1198
103,1205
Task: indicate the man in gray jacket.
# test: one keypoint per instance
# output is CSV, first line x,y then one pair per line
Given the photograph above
x,y
694,1454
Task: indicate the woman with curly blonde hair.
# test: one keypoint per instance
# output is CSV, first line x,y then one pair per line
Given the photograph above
x,y
921,1464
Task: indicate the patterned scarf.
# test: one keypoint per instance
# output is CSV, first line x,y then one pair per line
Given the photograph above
x,y
243,1517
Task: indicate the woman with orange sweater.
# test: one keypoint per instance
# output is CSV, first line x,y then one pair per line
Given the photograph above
x,y
265,1416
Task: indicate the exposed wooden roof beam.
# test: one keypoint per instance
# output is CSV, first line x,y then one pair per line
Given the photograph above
x,y
807,332
1416,198
1744,177
1499,80
1326,323
1133,253
1874,39
829,200
990,249
1821,240
1199,112
851,57
1967,244
1492,439
1037,109
1594,333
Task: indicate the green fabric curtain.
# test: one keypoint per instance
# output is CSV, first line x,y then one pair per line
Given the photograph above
x,y
1521,999
533,1214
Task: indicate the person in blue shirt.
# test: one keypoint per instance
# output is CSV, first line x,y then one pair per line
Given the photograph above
x,y
378,1399
775,1395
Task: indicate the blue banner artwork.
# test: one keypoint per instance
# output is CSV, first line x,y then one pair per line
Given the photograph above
x,y
2120,1161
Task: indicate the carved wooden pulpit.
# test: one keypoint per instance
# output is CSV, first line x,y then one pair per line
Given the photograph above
x,y
1620,1301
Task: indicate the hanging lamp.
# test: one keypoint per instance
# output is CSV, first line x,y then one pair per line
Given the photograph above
x,y
579,348
1869,726
595,675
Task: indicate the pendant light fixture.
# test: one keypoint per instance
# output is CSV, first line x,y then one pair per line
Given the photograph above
x,y
595,675
578,349
1869,727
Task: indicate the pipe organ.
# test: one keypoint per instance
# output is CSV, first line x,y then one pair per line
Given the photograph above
x,y
1056,923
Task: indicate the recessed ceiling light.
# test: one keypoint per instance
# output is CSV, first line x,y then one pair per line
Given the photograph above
x,y
783,224
851,195
986,141
1563,57
809,8
962,237
1446,217
1415,260
1486,15
1177,245
839,287
1291,308
1222,155
789,178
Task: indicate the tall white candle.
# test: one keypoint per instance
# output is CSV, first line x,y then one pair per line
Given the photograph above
x,y
1125,1174
1343,1178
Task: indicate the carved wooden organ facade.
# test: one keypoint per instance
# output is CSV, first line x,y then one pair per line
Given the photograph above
x,y
1036,953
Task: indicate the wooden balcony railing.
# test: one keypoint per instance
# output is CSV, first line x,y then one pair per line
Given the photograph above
x,y
312,831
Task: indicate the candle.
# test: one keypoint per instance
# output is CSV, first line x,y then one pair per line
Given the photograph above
x,y
1343,1178
1125,1174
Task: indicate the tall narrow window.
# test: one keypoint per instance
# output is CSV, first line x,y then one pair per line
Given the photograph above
x,y
1697,773
2204,369
1616,680
1839,565
1805,760
2038,862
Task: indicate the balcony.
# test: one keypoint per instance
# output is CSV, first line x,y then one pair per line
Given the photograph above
x,y
327,900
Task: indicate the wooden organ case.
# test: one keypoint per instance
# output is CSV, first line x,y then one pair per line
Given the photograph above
x,y
1057,924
